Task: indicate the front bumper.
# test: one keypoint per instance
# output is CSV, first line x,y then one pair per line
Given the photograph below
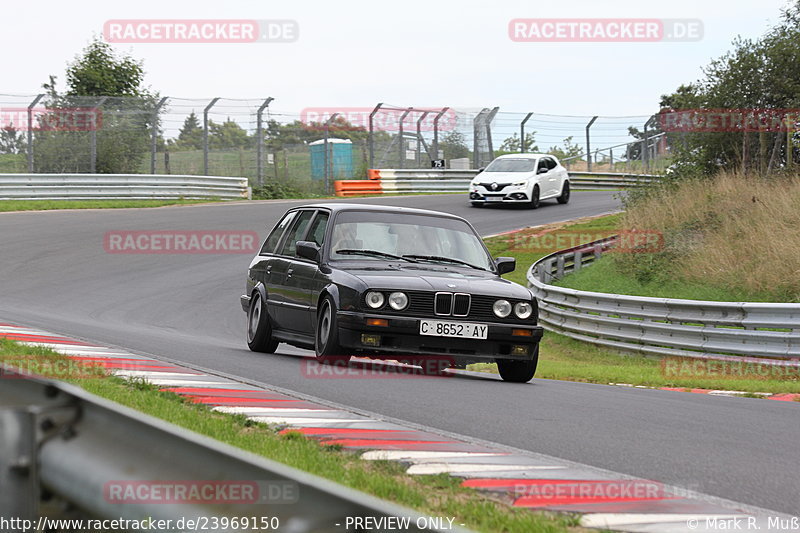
x,y
488,197
402,336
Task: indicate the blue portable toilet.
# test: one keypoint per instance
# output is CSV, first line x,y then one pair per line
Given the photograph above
x,y
340,154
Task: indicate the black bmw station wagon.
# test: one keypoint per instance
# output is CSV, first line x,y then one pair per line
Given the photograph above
x,y
389,283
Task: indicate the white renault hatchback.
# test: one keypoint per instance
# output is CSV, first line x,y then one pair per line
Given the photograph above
x,y
520,179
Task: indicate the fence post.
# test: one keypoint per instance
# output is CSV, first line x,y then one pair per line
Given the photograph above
x,y
19,483
475,135
419,138
260,141
154,134
436,132
522,133
325,146
205,134
29,148
400,138
588,145
93,136
372,135
489,120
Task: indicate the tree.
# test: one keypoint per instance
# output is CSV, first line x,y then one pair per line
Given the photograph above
x,y
110,88
567,150
190,136
454,146
229,134
11,141
99,72
755,75
511,144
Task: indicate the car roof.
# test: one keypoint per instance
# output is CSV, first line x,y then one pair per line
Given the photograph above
x,y
343,206
526,155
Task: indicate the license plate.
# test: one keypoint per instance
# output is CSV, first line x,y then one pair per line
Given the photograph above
x,y
494,198
463,330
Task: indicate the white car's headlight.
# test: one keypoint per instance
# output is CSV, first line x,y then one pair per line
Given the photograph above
x,y
375,299
520,183
523,310
502,308
398,301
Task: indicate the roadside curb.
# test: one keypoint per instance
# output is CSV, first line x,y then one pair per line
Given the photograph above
x,y
605,500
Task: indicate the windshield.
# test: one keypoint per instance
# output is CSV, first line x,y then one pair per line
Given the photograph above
x,y
511,165
378,236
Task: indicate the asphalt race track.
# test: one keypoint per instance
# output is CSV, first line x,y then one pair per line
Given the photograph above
x,y
55,274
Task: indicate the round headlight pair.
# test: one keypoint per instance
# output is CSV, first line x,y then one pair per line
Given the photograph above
x,y
397,300
502,308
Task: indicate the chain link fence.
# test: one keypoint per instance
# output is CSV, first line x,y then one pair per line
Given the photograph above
x,y
308,149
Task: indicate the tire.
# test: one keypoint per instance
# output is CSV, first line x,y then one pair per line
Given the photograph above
x,y
534,201
259,329
564,198
518,371
326,345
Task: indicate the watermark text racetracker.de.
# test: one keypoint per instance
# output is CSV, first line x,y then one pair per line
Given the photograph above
x,y
605,30
201,31
180,242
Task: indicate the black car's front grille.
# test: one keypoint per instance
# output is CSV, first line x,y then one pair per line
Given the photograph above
x,y
443,304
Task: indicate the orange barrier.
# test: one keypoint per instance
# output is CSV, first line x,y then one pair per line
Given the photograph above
x,y
374,173
356,187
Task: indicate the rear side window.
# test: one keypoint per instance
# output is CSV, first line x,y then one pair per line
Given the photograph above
x,y
296,233
272,241
551,164
317,232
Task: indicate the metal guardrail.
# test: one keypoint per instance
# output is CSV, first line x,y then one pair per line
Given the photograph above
x,y
393,181
737,331
59,438
120,186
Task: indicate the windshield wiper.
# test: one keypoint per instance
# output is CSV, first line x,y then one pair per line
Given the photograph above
x,y
373,253
446,259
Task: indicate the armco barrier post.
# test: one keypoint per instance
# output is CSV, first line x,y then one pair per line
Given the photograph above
x,y
154,134
205,134
260,142
29,148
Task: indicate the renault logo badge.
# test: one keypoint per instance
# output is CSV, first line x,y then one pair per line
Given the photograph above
x,y
494,186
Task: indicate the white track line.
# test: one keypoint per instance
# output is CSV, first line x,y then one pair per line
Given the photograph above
x,y
396,455
453,468
615,520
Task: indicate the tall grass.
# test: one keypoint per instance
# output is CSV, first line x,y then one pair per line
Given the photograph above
x,y
732,231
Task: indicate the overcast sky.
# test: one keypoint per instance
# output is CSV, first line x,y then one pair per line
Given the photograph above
x,y
407,52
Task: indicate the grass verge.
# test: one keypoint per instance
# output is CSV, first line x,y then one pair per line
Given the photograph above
x,y
47,205
566,359
438,495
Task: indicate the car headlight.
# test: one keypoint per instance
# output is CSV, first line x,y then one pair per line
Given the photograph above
x,y
523,310
520,183
502,308
375,299
398,301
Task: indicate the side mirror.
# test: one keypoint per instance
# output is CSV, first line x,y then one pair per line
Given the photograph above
x,y
308,250
543,170
505,265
